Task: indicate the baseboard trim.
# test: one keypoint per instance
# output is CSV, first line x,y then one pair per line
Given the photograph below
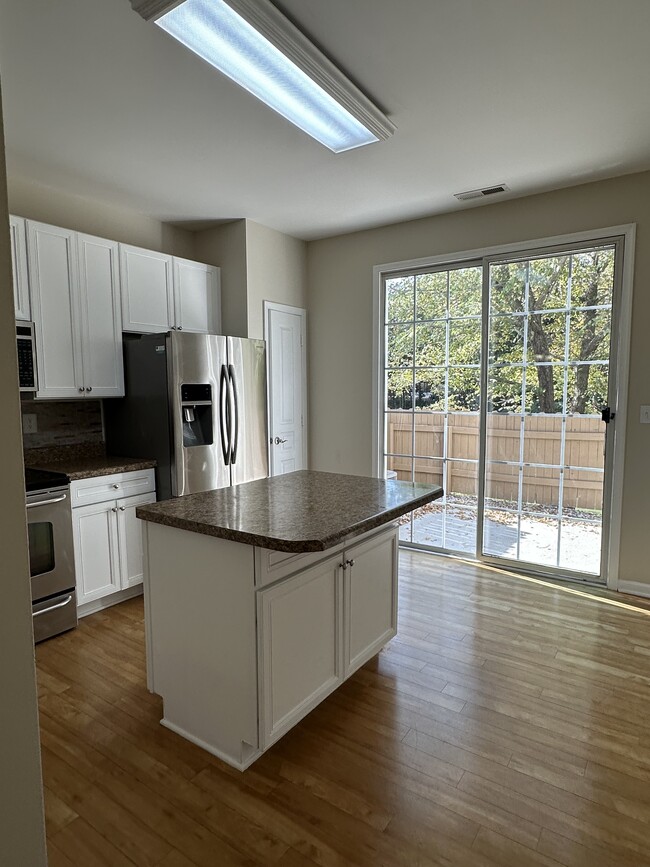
x,y
635,588
108,601
229,760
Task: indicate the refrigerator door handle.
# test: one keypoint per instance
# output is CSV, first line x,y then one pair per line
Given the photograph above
x,y
224,417
233,385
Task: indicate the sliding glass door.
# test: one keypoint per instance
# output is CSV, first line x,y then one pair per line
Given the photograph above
x,y
495,378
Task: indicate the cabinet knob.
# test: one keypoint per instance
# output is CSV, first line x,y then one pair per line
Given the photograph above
x,y
180,327
90,388
114,509
122,508
81,388
116,487
350,562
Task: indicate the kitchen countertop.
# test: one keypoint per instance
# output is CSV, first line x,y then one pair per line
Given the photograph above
x,y
89,467
296,513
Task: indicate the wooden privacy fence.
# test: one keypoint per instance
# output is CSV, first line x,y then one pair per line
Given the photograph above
x,y
584,442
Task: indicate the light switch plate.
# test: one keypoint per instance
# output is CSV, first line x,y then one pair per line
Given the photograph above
x,y
645,415
30,426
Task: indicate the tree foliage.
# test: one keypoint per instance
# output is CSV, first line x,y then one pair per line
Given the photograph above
x,y
552,313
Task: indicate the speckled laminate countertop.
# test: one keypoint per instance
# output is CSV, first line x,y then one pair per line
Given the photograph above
x,y
298,512
90,467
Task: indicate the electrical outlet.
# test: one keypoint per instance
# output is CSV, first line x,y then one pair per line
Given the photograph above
x,y
29,423
645,415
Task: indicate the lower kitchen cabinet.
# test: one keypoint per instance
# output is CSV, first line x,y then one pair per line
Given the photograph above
x,y
370,588
272,635
108,540
317,627
299,623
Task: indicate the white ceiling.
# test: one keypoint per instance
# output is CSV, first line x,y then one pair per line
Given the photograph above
x,y
538,94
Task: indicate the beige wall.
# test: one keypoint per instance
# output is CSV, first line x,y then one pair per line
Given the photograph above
x,y
341,322
276,268
225,246
22,838
36,202
257,264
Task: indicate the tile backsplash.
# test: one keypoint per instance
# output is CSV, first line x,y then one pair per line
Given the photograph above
x,y
63,423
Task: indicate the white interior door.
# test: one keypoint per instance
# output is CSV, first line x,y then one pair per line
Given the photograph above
x,y
287,376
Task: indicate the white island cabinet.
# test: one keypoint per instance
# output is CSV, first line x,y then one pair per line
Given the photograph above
x,y
262,598
243,642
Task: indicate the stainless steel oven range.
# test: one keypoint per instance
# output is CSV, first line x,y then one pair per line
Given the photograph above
x,y
51,552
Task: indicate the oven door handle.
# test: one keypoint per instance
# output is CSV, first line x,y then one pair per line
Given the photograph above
x,y
66,601
47,502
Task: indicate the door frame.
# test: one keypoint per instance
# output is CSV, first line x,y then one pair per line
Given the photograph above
x,y
269,307
620,359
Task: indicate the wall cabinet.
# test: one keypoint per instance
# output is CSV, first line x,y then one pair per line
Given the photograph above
x,y
161,292
76,308
107,536
18,239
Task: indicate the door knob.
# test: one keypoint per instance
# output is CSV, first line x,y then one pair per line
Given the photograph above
x,y
279,441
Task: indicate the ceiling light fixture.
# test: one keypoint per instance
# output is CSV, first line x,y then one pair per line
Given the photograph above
x,y
253,43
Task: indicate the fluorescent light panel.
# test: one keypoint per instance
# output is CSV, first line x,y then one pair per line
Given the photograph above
x,y
223,38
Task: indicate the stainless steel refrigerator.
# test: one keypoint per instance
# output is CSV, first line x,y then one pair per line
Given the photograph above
x,y
197,404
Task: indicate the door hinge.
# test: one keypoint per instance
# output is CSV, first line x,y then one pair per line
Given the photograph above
x,y
301,341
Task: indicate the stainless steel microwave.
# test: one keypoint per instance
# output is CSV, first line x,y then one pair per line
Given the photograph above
x,y
26,356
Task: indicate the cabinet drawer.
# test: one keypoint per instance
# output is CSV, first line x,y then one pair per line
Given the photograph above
x,y
115,486
270,565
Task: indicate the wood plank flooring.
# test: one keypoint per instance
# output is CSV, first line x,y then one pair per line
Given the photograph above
x,y
505,726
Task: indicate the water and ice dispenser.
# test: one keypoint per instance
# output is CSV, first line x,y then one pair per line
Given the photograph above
x,y
196,408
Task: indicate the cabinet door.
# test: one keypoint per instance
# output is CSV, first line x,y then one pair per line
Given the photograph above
x,y
370,598
19,267
197,297
103,372
300,623
147,290
96,553
129,533
54,285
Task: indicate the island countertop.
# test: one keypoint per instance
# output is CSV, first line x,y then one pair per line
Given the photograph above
x,y
296,513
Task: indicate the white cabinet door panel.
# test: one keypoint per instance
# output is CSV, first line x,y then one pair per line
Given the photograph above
x,y
147,290
54,288
96,551
19,268
197,298
371,598
100,301
130,536
300,645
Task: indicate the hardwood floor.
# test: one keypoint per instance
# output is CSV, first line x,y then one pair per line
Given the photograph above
x,y
505,726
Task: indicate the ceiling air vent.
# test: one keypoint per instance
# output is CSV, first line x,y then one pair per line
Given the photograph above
x,y
479,194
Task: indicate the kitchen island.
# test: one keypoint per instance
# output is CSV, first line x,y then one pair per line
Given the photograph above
x,y
261,599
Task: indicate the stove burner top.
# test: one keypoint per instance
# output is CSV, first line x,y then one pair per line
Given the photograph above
x,y
41,480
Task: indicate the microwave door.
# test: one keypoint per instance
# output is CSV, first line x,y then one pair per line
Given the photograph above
x,y
247,382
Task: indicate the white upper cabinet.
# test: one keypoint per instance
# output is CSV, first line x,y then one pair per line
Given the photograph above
x,y
54,280
19,268
101,343
163,293
76,308
147,290
197,297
